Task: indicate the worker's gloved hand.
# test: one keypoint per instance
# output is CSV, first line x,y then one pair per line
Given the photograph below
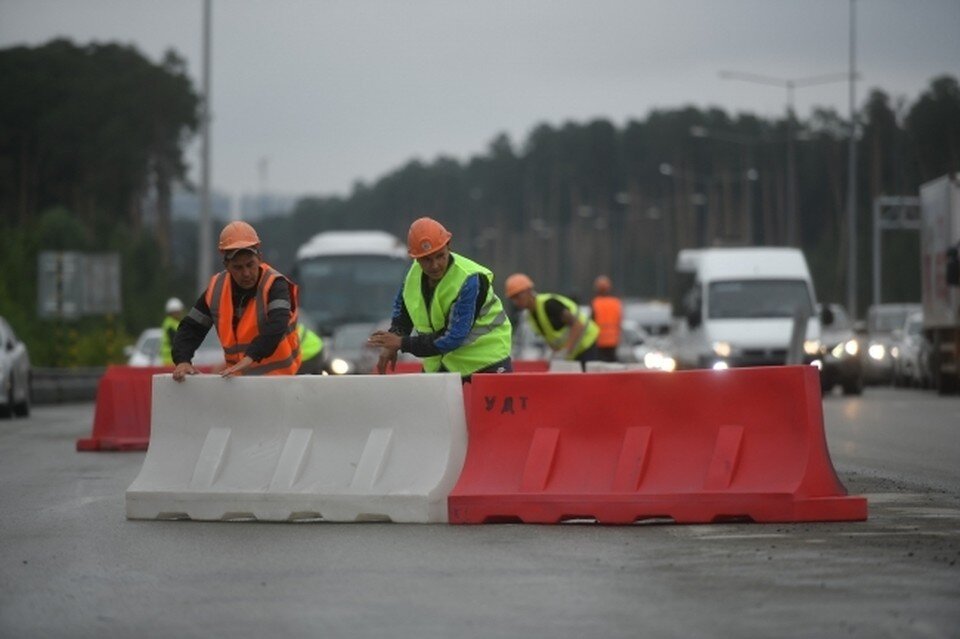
x,y
182,370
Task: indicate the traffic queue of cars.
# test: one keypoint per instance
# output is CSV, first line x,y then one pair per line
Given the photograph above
x,y
888,348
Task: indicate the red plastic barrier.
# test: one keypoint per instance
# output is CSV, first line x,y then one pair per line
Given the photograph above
x,y
531,366
406,367
122,417
694,446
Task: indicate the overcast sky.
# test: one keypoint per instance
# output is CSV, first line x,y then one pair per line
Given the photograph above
x,y
330,92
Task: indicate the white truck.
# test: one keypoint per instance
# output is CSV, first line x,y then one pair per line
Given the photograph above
x,y
940,270
738,308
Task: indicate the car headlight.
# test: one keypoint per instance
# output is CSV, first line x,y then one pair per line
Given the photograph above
x,y
722,349
877,351
852,347
340,366
895,352
849,347
653,360
669,364
811,346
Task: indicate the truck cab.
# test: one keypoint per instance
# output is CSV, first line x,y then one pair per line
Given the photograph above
x,y
737,307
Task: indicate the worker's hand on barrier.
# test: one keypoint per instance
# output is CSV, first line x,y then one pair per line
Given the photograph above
x,y
388,358
182,370
237,368
389,344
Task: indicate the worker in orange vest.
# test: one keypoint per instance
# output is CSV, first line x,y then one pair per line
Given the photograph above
x,y
253,308
608,314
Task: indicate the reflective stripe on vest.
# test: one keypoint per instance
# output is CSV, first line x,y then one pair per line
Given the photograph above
x,y
557,339
285,360
607,313
488,341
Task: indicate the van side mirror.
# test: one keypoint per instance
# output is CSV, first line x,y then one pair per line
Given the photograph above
x,y
953,266
691,307
826,316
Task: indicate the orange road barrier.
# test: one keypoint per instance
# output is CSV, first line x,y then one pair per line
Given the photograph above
x,y
406,367
121,420
531,366
693,447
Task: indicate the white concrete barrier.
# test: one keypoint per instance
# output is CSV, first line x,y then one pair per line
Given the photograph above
x,y
352,448
613,367
565,366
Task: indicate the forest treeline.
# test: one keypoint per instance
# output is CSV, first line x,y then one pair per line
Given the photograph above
x,y
92,142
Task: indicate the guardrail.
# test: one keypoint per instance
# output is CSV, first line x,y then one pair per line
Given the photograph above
x,y
59,385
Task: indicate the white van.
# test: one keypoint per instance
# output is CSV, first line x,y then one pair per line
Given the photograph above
x,y
738,306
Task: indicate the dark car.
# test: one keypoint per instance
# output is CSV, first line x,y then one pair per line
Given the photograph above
x,y
841,352
14,374
882,322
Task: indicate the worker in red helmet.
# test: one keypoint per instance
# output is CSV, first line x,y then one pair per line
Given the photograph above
x,y
608,314
253,308
556,318
446,312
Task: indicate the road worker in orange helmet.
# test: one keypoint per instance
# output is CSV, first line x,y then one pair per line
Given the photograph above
x,y
558,319
446,312
608,314
253,308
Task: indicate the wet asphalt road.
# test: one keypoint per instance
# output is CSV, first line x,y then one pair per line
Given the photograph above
x,y
71,565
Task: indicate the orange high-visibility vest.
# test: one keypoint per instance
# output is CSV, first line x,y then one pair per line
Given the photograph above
x,y
285,360
607,313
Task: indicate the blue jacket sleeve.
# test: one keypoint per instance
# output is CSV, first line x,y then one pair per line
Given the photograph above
x,y
460,322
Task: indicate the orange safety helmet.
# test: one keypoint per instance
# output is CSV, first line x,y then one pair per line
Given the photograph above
x,y
237,235
517,283
426,236
602,285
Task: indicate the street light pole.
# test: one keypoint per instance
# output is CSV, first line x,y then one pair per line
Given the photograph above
x,y
852,175
749,173
790,84
205,248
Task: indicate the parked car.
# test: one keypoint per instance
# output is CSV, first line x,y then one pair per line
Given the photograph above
x,y
146,352
841,351
882,321
15,373
910,353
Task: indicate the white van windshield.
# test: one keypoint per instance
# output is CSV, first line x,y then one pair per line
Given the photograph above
x,y
340,289
737,299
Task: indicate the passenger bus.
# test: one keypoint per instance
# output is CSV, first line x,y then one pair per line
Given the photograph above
x,y
349,277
